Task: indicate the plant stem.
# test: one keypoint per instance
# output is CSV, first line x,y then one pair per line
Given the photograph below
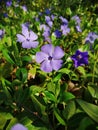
x,y
95,57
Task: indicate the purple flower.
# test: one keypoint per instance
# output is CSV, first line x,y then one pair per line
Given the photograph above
x,y
91,37
27,38
77,19
37,19
9,3
24,7
50,57
2,33
48,21
53,16
5,15
19,127
65,30
77,22
47,11
80,58
27,24
45,28
46,32
58,33
64,20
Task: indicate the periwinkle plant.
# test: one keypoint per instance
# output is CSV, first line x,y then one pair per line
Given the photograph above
x,y
47,68
50,58
27,38
80,58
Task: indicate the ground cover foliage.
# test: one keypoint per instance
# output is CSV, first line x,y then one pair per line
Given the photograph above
x,y
48,65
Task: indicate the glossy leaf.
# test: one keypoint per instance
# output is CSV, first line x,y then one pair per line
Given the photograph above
x,y
90,109
50,96
59,118
66,96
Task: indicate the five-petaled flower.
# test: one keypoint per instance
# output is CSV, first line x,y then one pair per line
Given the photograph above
x,y
77,22
65,29
50,57
80,58
91,37
27,38
18,126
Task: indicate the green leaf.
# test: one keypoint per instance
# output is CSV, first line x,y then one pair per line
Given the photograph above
x,y
7,56
36,89
2,122
57,89
93,91
50,96
22,74
51,87
40,108
26,58
12,122
57,78
32,127
26,121
66,96
59,118
65,70
86,123
69,110
3,119
90,109
7,116
81,70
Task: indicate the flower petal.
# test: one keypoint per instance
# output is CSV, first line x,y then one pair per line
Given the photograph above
x,y
26,44
46,66
48,49
34,44
41,56
56,64
58,53
25,32
20,38
78,28
18,127
33,36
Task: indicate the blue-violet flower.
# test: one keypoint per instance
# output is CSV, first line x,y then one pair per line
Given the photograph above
x,y
80,58
58,33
